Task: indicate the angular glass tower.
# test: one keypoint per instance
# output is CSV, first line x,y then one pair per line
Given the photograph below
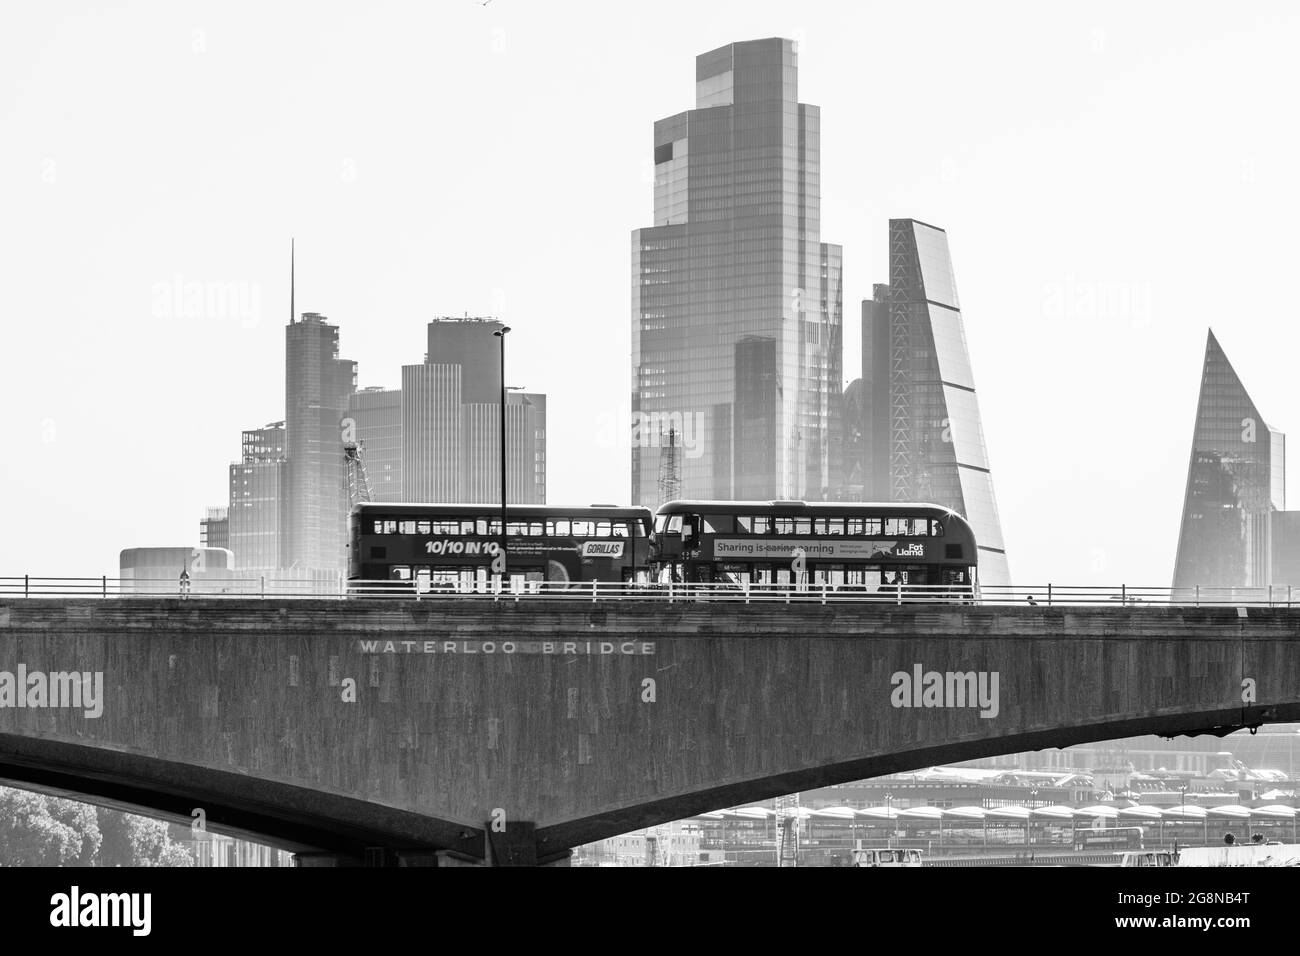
x,y
736,301
1236,480
922,439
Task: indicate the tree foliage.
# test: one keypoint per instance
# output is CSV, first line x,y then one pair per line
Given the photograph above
x,y
37,830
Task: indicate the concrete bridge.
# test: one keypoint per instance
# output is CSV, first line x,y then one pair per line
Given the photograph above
x,y
450,731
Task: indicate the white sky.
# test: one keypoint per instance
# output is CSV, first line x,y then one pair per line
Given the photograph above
x,y
1113,180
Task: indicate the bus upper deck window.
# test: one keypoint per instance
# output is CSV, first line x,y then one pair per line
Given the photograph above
x,y
873,525
583,528
856,525
603,529
536,529
762,524
803,525
744,524
621,530
390,526
422,527
782,525
936,528
562,527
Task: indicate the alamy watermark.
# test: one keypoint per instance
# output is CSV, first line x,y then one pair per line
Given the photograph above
x,y
922,688
192,299
83,690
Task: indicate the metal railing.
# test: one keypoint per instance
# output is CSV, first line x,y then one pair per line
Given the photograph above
x,y
517,589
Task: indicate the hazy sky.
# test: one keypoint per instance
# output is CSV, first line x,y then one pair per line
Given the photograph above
x,y
1114,179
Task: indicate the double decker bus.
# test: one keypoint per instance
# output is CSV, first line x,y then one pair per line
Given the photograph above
x,y
891,548
436,547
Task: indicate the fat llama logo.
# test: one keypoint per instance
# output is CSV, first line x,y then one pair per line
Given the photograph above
x,y
922,688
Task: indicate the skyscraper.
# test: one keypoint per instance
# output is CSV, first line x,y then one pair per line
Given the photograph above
x,y
451,421
920,436
736,301
317,386
1236,480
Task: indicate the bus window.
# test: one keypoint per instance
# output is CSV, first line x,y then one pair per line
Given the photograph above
x,y
872,525
406,526
855,526
422,527
378,528
936,528
446,527
536,529
782,525
390,526
494,527
560,527
719,524
467,526
423,580
603,529
896,526
762,524
399,572
744,524
661,522
828,526
674,524
803,525
481,527
621,529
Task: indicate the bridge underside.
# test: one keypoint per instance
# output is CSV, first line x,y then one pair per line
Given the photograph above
x,y
463,731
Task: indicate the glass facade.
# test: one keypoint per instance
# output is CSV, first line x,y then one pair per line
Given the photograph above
x,y
317,386
377,413
256,515
451,422
736,301
918,434
1235,484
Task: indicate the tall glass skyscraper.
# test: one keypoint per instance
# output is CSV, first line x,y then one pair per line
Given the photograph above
x,y
317,386
736,301
1236,480
921,438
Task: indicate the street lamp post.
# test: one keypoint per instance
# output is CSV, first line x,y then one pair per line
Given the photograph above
x,y
501,334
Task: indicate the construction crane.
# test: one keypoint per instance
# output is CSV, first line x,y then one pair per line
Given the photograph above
x,y
355,483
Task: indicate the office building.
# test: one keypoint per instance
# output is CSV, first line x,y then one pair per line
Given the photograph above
x,y
919,435
376,414
451,421
317,388
1236,482
256,514
736,301
214,529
